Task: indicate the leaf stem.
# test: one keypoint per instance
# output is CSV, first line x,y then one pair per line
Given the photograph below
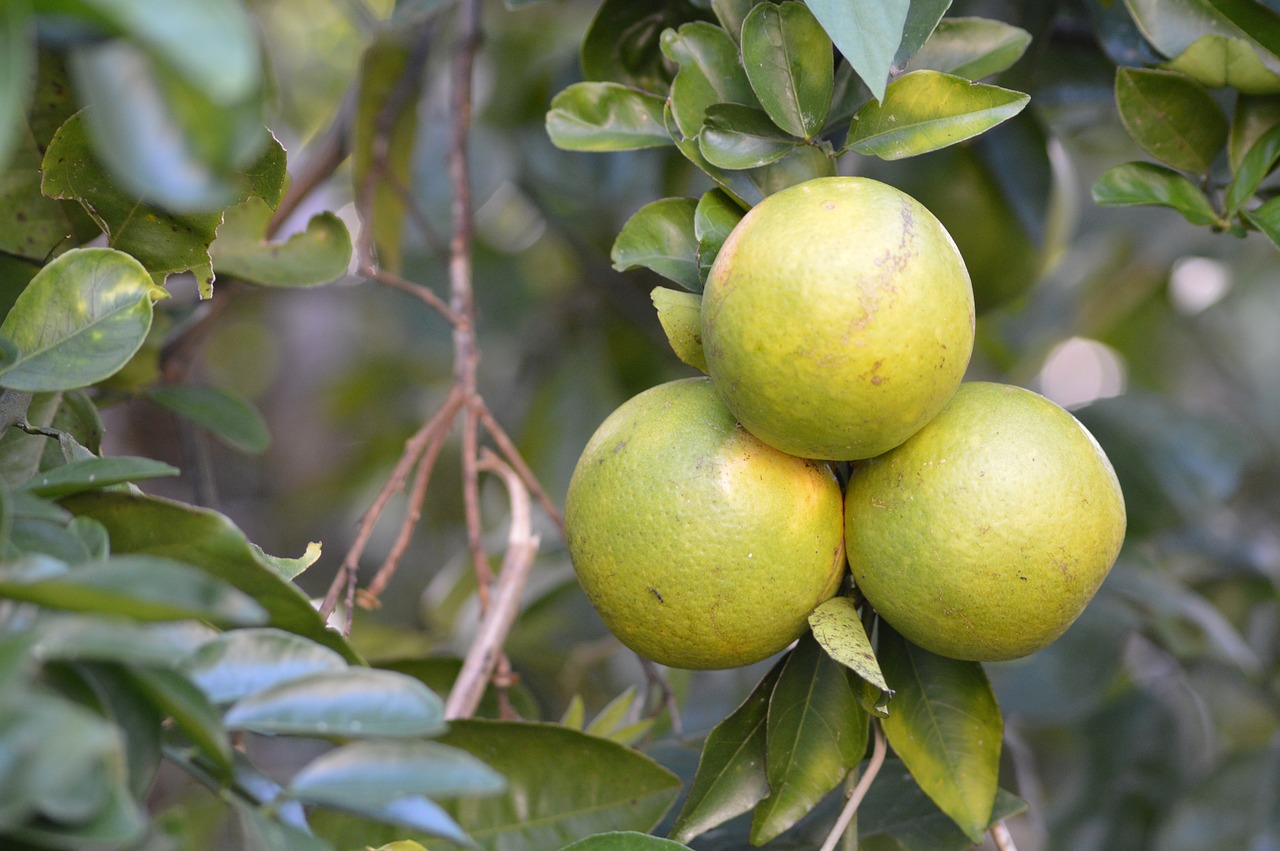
x,y
859,791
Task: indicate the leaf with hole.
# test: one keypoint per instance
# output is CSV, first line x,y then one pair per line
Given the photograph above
x,y
787,57
659,237
1147,183
710,73
868,34
1172,117
946,727
972,48
927,110
79,321
816,732
731,778
606,117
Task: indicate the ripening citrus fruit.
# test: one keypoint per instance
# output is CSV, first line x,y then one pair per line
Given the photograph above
x,y
837,319
986,533
700,546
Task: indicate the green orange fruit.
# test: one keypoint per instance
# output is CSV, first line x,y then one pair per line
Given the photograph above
x,y
985,534
700,546
837,318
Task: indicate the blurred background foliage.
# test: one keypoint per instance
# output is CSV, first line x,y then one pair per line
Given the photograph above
x,y
1154,723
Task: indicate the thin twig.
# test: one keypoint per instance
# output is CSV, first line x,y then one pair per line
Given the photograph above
x,y
1001,837
666,696
859,791
418,291
485,651
509,451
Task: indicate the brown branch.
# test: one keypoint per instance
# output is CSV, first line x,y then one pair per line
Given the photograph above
x,y
509,451
418,291
486,650
1001,837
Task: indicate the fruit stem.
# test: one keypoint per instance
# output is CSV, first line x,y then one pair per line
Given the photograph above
x,y
859,791
1000,835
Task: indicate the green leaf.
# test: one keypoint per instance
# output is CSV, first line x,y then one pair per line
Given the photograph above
x,y
1147,183
972,48
414,812
737,184
317,255
118,823
714,219
561,784
139,722
787,57
1219,61
1267,219
710,73
228,416
606,117
896,807
164,242
804,162
78,417
384,76
838,628
731,778
168,141
927,110
868,34
1172,117
946,727
740,137
17,70
1174,25
369,774
290,568
192,713
138,587
622,43
681,317
209,541
731,14
96,473
247,661
265,833
1253,116
922,19
816,733
80,320
351,703
659,237
615,714
627,840
1259,20
1259,162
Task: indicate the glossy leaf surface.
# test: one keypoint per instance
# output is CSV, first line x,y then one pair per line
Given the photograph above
x,y
660,237
868,34
740,137
787,57
710,73
606,117
369,774
246,661
971,47
1148,183
1172,117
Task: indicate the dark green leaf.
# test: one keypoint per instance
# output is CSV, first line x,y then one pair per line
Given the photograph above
x,y
946,727
623,841
351,703
868,34
96,473
731,14
1147,183
710,73
922,19
209,541
896,807
681,317
660,237
1218,61
78,416
386,77
317,255
168,141
731,778
816,733
1172,117
738,185
369,774
714,219
927,110
80,320
805,162
971,47
139,722
138,587
229,416
192,713
1174,25
247,661
1252,117
606,117
71,638
1259,20
837,626
1267,219
119,823
787,57
622,43
740,137
561,784
265,833
414,812
17,71
1259,162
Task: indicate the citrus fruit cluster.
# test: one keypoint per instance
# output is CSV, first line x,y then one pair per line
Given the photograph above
x,y
706,519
